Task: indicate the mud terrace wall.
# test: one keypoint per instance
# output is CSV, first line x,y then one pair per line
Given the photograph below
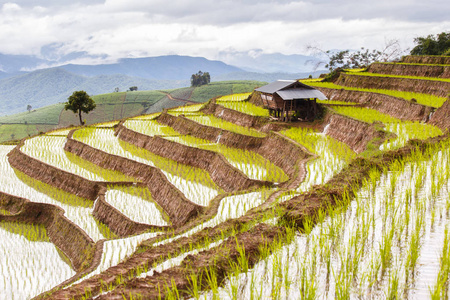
x,y
170,199
67,236
396,107
355,134
281,151
233,116
56,177
434,60
441,117
186,126
410,70
116,221
220,171
437,88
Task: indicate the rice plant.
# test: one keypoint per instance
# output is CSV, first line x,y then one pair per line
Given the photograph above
x,y
234,97
245,107
421,98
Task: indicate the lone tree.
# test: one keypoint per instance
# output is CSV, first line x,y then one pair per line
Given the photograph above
x,y
79,102
200,78
29,108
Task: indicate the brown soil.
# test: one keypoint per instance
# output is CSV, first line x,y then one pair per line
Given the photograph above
x,y
67,236
354,133
396,107
437,88
51,175
233,116
410,70
275,148
228,138
167,196
307,205
116,221
432,60
441,117
221,172
219,259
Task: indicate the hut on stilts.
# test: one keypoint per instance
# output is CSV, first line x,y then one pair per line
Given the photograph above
x,y
286,99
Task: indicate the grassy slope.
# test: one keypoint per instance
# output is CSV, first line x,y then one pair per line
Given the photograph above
x,y
114,106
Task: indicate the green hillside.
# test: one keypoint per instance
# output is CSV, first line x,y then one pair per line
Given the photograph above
x,y
115,106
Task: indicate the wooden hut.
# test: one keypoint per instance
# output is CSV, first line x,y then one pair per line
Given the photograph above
x,y
287,98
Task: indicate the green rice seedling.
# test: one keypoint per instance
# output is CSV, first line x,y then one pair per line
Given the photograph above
x,y
50,150
245,107
367,115
212,121
336,102
195,183
146,117
149,127
440,290
250,163
424,99
188,108
234,97
195,284
137,204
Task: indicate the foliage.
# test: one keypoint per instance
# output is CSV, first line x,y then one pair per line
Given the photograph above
x,y
80,102
438,44
348,59
200,78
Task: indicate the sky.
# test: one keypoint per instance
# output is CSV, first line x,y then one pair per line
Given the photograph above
x,y
105,30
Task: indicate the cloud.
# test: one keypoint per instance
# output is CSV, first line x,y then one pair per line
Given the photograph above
x,y
132,28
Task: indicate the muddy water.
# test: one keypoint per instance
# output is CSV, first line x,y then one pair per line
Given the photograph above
x,y
342,257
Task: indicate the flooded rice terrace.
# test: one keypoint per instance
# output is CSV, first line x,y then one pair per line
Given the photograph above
x,y
391,241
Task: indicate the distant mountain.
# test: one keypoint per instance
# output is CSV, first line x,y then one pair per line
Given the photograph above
x,y
49,86
16,63
171,67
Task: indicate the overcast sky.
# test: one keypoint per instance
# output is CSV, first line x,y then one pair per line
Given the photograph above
x,y
137,28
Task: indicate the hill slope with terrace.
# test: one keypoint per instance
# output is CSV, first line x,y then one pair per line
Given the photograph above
x,y
219,200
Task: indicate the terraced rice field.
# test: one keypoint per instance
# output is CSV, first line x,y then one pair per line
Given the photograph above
x,y
188,204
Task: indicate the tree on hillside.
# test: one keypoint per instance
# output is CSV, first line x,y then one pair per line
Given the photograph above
x,y
133,88
200,78
438,44
29,108
80,102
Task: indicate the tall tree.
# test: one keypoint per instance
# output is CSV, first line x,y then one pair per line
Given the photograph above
x,y
438,44
80,102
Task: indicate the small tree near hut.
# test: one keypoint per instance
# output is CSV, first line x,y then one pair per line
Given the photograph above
x,y
80,102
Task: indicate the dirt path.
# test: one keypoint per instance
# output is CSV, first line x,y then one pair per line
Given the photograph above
x,y
178,99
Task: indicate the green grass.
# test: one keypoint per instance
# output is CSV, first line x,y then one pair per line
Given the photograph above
x,y
424,99
45,115
19,131
220,88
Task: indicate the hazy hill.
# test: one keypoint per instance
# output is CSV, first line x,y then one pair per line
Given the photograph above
x,y
113,106
171,67
49,86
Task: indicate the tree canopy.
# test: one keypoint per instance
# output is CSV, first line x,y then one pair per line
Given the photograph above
x,y
200,78
80,102
438,44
